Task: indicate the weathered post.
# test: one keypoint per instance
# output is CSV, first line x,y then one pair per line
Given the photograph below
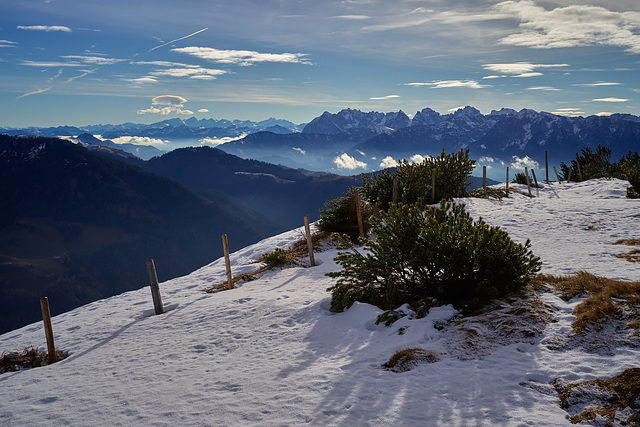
x,y
48,330
227,261
526,173
579,170
155,287
534,177
484,177
395,191
507,177
359,212
546,164
557,176
569,176
307,230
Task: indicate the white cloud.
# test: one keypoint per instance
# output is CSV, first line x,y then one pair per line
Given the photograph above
x,y
596,84
381,98
417,158
300,150
203,110
388,162
521,163
198,73
571,26
543,88
173,104
610,100
241,57
139,140
94,60
144,80
173,100
47,64
345,161
603,114
570,112
486,159
46,28
439,84
220,141
7,43
353,17
519,69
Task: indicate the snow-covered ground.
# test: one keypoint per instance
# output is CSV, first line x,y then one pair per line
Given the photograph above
x,y
269,353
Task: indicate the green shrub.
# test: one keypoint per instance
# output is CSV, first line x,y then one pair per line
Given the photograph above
x,y
593,164
415,180
277,258
633,176
424,255
339,216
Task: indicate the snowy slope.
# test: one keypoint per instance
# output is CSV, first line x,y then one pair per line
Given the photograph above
x,y
269,353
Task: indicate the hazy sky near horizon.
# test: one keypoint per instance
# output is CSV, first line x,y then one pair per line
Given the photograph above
x,y
72,62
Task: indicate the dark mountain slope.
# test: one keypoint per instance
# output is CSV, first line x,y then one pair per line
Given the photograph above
x,y
282,194
77,226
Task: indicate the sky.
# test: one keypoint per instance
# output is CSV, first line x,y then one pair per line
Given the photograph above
x,y
72,62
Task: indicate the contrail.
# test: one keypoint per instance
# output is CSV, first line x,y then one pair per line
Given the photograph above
x,y
181,38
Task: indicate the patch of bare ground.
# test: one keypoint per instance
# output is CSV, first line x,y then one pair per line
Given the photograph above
x,y
28,358
519,318
609,315
609,402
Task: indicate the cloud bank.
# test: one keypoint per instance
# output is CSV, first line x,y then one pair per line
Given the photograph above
x,y
347,162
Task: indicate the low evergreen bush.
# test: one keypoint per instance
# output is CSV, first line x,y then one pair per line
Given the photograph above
x,y
415,180
339,215
424,255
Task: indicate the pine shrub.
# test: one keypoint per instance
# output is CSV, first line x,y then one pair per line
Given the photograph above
x,y
426,255
339,216
415,180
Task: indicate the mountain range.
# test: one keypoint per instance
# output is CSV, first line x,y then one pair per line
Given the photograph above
x,y
497,139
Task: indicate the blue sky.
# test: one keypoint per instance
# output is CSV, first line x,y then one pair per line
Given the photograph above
x,y
87,62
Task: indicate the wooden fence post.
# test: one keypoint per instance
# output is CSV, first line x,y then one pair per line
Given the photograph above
x,y
484,177
507,177
395,191
307,230
526,173
557,176
569,177
579,170
433,186
155,287
546,164
227,261
359,212
534,177
48,330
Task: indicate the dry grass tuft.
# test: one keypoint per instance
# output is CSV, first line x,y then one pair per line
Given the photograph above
x,y
604,398
406,359
606,298
634,254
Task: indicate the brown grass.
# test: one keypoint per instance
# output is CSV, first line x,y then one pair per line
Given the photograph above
x,y
634,254
406,359
606,298
297,251
625,390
